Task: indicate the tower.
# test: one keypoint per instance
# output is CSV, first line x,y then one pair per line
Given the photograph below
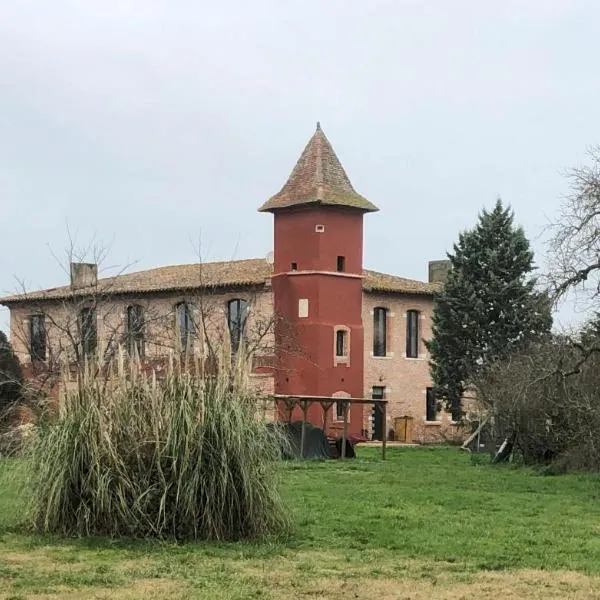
x,y
317,280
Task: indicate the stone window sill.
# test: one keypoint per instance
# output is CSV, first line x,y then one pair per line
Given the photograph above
x,y
433,423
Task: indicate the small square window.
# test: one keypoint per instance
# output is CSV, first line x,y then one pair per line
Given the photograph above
x,y
319,228
341,263
294,267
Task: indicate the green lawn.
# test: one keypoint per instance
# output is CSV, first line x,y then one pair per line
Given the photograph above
x,y
424,524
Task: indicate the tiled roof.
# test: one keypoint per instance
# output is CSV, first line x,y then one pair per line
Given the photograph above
x,y
255,271
381,282
318,178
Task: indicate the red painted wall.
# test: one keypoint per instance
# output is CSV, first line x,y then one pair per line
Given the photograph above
x,y
305,357
297,241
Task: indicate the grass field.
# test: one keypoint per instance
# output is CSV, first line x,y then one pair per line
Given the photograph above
x,y
424,524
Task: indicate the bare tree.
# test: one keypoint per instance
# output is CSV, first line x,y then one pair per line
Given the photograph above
x,y
575,243
90,325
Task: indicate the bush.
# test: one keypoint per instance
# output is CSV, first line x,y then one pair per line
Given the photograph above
x,y
183,458
549,396
11,380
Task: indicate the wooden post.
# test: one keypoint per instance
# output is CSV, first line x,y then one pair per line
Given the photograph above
x,y
303,435
384,437
345,405
325,406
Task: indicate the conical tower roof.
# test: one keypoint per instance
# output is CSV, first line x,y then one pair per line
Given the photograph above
x,y
318,178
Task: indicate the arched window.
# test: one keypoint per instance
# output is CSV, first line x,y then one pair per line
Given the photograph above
x,y
412,333
185,325
88,329
237,313
379,331
135,330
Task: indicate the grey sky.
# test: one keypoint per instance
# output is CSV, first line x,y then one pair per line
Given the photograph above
x,y
152,124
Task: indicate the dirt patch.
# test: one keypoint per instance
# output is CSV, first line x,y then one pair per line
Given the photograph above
x,y
534,585
143,589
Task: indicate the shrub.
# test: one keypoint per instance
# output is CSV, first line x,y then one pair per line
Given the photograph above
x,y
11,380
549,398
185,458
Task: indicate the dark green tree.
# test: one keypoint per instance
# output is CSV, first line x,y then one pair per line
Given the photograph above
x,y
11,377
488,307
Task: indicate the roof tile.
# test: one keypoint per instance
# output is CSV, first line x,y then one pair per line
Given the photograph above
x,y
318,178
255,271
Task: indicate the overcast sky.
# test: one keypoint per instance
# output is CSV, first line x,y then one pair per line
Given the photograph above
x,y
152,124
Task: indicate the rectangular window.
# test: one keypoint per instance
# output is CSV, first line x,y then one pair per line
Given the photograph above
x,y
341,342
135,330
430,406
379,331
89,331
456,412
185,325
302,308
378,392
37,337
294,267
340,407
237,313
341,263
412,334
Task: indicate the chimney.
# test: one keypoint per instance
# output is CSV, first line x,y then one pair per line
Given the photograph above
x,y
83,275
438,270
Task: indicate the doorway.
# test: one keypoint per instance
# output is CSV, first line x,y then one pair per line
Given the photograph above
x,y
378,426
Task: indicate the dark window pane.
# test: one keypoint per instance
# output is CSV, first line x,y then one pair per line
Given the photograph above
x,y
135,330
185,325
340,405
379,332
341,343
431,406
341,263
37,337
412,334
89,332
456,411
378,392
237,313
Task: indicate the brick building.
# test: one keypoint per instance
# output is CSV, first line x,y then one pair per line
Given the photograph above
x,y
311,319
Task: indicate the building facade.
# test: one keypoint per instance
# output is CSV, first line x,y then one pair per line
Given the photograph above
x,y
311,319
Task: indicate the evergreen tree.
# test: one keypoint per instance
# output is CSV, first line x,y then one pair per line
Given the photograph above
x,y
10,376
488,306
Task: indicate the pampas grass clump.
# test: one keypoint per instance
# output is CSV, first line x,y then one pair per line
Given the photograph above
x,y
185,457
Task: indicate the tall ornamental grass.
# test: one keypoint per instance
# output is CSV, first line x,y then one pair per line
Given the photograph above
x,y
185,457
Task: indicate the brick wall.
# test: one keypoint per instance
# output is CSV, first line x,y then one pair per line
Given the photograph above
x,y
405,379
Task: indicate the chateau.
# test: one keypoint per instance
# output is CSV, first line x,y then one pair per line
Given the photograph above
x,y
313,321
